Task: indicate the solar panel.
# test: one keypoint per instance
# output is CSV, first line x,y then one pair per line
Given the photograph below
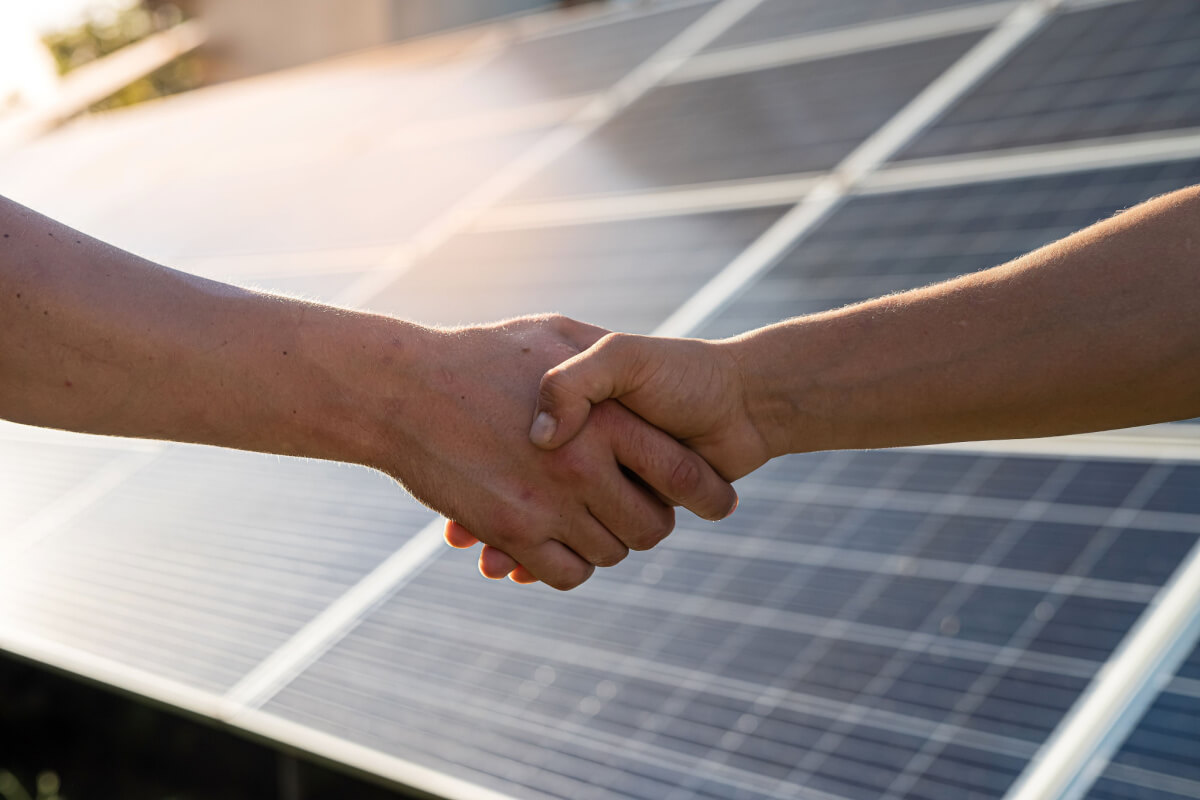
x,y
1159,760
890,624
201,563
816,643
889,242
789,119
572,61
1123,68
778,19
626,275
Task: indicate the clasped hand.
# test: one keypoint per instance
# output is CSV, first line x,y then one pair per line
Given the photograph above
x,y
593,477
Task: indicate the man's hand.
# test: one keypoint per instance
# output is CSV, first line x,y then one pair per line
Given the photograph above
x,y
693,389
459,444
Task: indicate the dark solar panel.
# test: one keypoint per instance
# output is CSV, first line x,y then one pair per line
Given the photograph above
x,y
203,563
1160,759
625,275
575,61
789,119
883,243
1124,68
777,19
818,639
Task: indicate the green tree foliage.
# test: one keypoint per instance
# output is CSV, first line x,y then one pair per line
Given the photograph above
x,y
101,36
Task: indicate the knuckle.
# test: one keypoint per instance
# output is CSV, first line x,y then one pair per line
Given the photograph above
x,y
552,386
652,534
571,577
686,478
573,464
612,557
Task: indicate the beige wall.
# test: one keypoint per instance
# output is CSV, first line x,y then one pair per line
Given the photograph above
x,y
252,36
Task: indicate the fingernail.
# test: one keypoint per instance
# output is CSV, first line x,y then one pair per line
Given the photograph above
x,y
543,428
736,500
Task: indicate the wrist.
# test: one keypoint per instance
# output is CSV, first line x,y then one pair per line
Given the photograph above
x,y
786,398
370,387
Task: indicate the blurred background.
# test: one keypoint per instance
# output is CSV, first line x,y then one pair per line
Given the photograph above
x,y
991,620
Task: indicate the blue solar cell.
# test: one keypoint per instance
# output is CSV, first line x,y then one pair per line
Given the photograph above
x,y
788,119
1144,556
1103,483
1180,492
962,772
992,614
1087,627
1027,704
742,663
1110,789
776,19
1049,547
584,271
882,243
962,538
1120,69
1159,759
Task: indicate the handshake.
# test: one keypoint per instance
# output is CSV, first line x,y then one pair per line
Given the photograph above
x,y
623,428
562,446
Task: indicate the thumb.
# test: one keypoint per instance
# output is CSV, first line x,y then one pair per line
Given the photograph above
x,y
567,392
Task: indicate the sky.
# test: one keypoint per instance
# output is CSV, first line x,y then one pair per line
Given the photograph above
x,y
49,15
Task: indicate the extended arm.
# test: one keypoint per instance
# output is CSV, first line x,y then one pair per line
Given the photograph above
x,y
1096,331
94,339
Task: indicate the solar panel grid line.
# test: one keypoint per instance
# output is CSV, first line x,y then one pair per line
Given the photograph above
x,y
370,762
764,253
900,660
68,507
980,61
108,672
716,660
315,638
325,630
1028,631
489,124
841,41
1157,781
994,507
565,20
496,713
917,566
1079,5
719,196
1064,157
639,667
549,147
450,703
1059,158
1113,703
1189,687
869,633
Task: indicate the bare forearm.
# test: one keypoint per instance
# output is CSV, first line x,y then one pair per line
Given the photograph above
x,y
100,341
1097,331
